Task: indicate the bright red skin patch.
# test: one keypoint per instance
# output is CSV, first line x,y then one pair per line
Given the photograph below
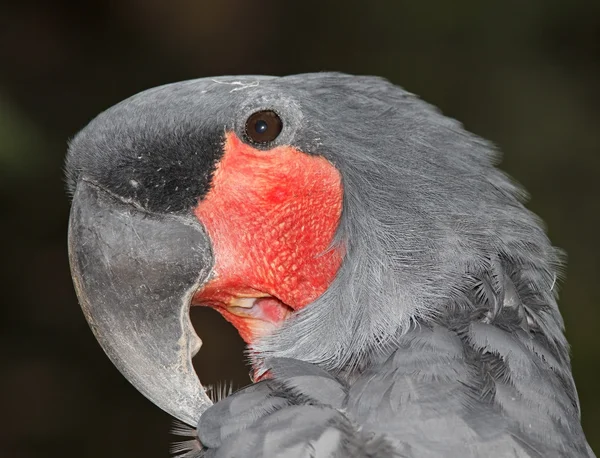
x,y
271,216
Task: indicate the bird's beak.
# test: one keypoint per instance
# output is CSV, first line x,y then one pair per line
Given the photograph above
x,y
135,274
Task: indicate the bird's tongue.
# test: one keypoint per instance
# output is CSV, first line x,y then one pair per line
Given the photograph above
x,y
267,309
272,309
253,317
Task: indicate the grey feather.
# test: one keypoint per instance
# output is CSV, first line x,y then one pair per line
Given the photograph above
x,y
304,423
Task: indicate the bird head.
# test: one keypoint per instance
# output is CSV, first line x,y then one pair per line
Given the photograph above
x,y
322,215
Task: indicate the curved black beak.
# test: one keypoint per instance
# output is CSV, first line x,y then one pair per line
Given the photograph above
x,y
135,274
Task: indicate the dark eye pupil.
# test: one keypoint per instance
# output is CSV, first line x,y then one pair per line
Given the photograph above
x,y
263,127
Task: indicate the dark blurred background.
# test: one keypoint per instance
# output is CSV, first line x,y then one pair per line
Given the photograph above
x,y
523,73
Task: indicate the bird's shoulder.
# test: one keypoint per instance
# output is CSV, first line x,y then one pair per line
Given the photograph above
x,y
448,393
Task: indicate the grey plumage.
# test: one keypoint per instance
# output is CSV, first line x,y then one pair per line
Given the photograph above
x,y
423,400
297,413
440,335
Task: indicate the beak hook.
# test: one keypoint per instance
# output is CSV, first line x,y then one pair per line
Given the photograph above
x,y
135,273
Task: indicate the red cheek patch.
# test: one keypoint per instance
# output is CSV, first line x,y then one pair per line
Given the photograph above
x,y
271,216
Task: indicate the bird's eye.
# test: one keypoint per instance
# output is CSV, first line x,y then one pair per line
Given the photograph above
x,y
263,127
